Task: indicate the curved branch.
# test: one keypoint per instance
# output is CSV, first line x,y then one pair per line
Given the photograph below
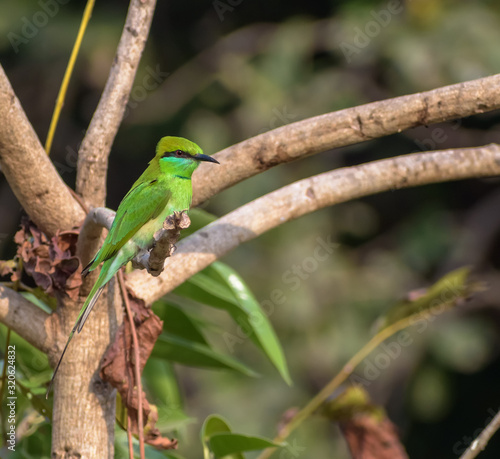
x,y
96,146
29,171
90,240
292,201
26,319
344,127
480,443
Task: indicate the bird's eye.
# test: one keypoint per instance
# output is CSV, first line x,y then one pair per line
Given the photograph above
x,y
178,153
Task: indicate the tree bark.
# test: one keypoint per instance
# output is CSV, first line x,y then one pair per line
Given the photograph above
x,y
292,201
344,127
84,406
26,319
247,222
96,146
29,171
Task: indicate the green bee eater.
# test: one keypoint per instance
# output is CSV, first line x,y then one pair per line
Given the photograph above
x,y
162,189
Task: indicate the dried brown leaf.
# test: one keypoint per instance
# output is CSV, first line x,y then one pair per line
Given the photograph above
x,y
139,309
371,438
117,368
52,263
368,431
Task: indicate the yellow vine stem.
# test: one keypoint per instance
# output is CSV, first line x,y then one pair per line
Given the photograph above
x,y
346,371
67,75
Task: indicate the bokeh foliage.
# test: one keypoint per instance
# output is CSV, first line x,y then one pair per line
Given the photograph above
x,y
259,66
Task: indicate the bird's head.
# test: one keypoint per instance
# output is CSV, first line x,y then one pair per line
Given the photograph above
x,y
179,155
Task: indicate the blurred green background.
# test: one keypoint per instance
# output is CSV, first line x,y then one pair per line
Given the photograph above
x,y
220,72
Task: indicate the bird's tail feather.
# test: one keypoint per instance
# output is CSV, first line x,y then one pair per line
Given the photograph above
x,y
83,318
58,363
87,268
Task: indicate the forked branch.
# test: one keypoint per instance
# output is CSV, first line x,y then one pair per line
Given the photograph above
x,y
292,201
96,146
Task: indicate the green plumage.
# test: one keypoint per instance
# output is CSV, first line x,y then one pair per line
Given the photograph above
x,y
162,189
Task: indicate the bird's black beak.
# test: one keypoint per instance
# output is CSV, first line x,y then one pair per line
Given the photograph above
x,y
201,157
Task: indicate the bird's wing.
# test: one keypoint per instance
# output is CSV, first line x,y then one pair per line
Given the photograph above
x,y
141,204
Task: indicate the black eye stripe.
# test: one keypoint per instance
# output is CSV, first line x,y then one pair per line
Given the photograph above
x,y
176,153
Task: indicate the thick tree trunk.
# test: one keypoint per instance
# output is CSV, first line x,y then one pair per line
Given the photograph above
x,y
84,406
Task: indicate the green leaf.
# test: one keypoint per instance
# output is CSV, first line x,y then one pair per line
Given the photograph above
x,y
177,349
33,363
206,290
38,403
41,299
217,437
173,455
252,319
161,382
121,412
446,293
221,287
213,425
224,444
177,322
160,379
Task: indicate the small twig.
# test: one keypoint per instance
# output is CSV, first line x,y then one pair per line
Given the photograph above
x,y
137,365
481,441
151,259
348,369
164,244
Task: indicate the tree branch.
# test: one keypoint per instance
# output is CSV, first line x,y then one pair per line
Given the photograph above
x,y
292,201
29,171
26,319
96,146
344,127
479,444
164,242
